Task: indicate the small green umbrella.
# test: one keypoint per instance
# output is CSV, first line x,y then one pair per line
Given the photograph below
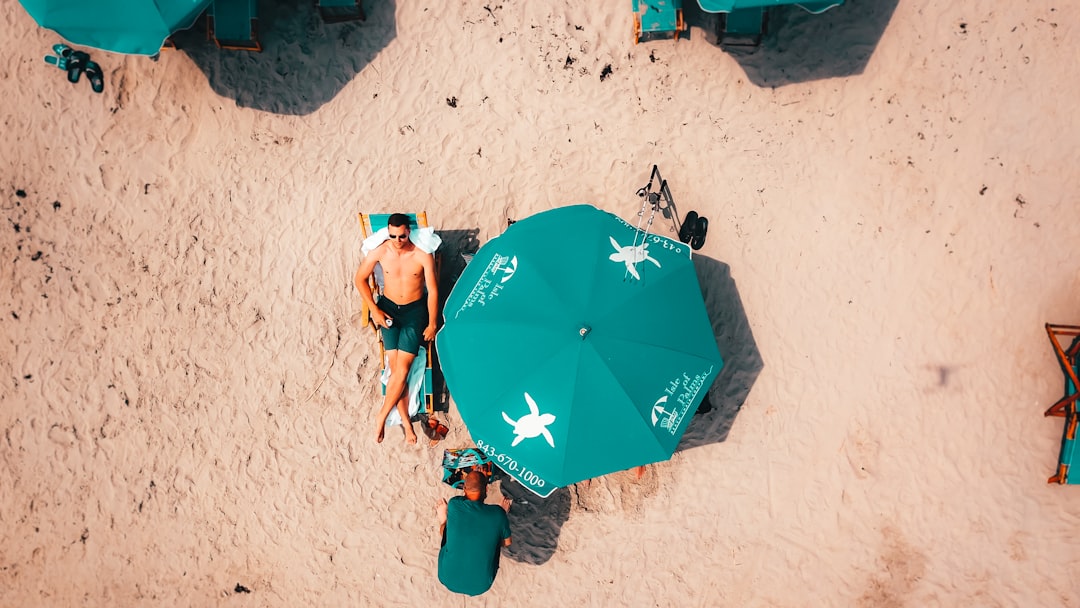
x,y
134,27
576,345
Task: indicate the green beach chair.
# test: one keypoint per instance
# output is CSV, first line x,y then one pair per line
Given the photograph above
x,y
1066,406
340,11
370,223
233,24
655,17
742,27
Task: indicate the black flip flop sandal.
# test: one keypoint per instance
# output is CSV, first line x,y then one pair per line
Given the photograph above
x,y
93,74
76,62
700,230
689,226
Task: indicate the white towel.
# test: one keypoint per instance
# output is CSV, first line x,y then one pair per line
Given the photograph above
x,y
424,238
415,382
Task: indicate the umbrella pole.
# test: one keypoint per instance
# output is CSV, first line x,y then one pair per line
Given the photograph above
x,y
648,198
651,200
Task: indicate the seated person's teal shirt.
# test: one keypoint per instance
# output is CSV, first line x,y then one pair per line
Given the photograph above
x,y
469,557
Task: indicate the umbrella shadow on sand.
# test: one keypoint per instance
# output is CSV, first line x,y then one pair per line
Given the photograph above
x,y
800,47
304,62
537,522
742,359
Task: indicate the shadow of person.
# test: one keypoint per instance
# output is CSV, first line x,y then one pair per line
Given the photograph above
x,y
304,62
457,244
535,523
742,360
800,47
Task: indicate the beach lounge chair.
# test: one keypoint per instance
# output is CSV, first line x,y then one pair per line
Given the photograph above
x,y
1066,406
233,24
742,27
653,17
339,11
370,227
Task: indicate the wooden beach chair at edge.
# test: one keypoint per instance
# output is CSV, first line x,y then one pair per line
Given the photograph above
x,y
416,220
655,17
1066,406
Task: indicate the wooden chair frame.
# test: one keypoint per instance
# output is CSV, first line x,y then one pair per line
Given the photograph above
x,y
1066,406
639,34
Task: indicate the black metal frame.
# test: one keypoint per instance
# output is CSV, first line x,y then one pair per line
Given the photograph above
x,y
653,199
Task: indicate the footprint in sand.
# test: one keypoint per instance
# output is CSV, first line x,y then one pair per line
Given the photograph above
x,y
62,435
861,450
901,567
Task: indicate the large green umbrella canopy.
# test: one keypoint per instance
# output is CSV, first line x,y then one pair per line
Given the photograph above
x,y
727,6
135,27
576,345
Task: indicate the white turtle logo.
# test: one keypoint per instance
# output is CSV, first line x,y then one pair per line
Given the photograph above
x,y
532,424
631,256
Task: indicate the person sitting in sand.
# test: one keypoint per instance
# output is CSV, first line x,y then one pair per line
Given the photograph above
x,y
402,313
473,535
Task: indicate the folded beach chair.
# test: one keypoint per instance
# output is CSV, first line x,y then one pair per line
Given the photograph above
x,y
653,17
1066,406
232,24
372,236
339,11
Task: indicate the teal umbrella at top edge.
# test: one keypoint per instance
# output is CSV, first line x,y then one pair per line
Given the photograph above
x,y
575,345
727,6
134,27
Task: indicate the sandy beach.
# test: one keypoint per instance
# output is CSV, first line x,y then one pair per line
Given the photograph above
x,y
187,394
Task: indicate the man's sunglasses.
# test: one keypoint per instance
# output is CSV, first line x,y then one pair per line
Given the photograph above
x,y
400,237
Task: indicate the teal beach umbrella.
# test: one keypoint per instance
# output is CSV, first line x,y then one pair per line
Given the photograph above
x,y
728,6
576,345
134,27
